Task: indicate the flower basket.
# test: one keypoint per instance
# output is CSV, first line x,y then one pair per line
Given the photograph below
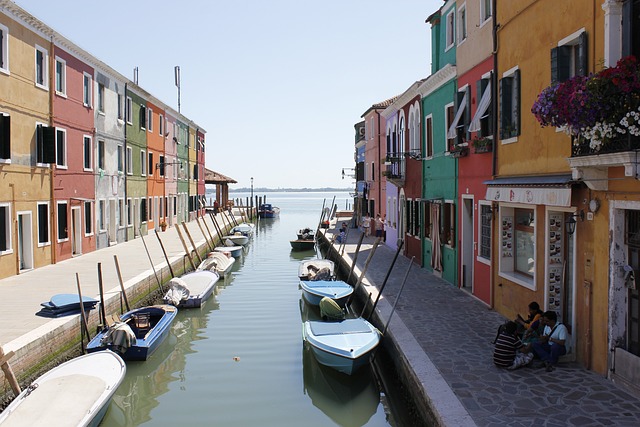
x,y
458,151
482,144
163,226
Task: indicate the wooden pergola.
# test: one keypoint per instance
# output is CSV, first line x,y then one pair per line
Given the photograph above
x,y
222,185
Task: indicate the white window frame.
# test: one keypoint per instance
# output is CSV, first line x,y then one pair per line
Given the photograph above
x,y
572,40
45,67
87,139
87,89
101,100
63,77
129,213
506,269
9,228
143,161
58,239
128,110
462,24
485,15
90,222
450,30
121,211
480,258
120,159
4,68
128,163
149,119
47,219
64,164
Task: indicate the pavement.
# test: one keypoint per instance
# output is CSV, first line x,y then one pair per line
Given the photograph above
x,y
446,337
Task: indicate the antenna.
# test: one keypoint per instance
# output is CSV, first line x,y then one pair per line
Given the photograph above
x,y
135,75
176,72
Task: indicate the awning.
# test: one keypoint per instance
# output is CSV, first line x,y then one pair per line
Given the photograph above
x,y
451,133
482,108
551,190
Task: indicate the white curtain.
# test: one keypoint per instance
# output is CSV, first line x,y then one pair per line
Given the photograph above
x,y
482,108
452,133
436,253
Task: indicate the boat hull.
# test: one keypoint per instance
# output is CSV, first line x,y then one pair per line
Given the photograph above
x,y
345,346
314,291
235,251
201,285
75,393
144,345
302,245
237,239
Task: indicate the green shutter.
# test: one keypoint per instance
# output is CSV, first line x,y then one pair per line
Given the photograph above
x,y
516,103
48,144
554,65
582,66
505,107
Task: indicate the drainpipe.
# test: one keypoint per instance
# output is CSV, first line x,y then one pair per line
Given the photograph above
x,y
53,166
494,154
126,200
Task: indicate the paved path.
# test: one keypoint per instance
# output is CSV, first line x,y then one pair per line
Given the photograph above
x,y
455,333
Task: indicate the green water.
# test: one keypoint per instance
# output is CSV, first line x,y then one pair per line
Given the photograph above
x,y
240,360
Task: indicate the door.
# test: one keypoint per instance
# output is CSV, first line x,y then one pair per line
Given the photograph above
x,y
25,241
113,226
76,231
467,255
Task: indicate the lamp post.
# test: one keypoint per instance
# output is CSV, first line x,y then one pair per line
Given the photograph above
x,y
252,193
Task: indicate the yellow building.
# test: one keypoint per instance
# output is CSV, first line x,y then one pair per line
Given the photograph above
x,y
27,145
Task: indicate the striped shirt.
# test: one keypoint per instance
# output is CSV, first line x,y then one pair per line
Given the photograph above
x,y
505,351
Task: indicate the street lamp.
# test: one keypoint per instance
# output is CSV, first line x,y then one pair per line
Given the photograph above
x,y
251,192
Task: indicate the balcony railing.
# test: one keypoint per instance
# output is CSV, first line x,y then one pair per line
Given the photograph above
x,y
582,147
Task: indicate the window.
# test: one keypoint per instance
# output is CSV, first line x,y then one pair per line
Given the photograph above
x,y
86,90
413,217
523,248
101,215
485,231
449,114
143,163
63,233
150,120
87,148
129,162
119,107
462,23
630,26
4,49
458,130
485,10
195,172
42,68
482,120
150,163
448,230
426,220
61,148
101,155
129,212
569,59
45,144
161,125
428,131
143,210
101,97
128,110
450,30
143,117
150,208
5,137
510,104
88,219
61,76
120,212
161,163
5,228
120,159
43,223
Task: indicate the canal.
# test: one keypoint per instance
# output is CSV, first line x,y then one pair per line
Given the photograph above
x,y
240,360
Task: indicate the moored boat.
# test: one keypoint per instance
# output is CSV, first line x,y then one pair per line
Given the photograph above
x,y
345,346
138,333
302,244
316,268
191,289
244,228
75,393
219,262
236,239
234,251
267,210
314,290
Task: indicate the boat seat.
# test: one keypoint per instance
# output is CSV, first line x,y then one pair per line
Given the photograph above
x,y
142,322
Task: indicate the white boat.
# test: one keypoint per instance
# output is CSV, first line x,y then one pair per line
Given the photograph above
x,y
192,289
309,269
234,251
75,393
244,228
218,262
236,239
314,290
345,346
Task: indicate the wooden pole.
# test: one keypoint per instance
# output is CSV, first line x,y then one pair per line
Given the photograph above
x,y
165,255
355,256
124,293
84,326
195,249
206,239
364,271
213,243
386,278
404,282
103,312
184,245
8,372
151,262
218,231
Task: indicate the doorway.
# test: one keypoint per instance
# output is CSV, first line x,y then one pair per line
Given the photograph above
x,y
113,227
76,231
466,268
25,241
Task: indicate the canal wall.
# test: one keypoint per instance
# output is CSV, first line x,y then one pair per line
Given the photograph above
x,y
45,346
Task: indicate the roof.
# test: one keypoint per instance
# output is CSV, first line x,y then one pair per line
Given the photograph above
x,y
211,177
381,105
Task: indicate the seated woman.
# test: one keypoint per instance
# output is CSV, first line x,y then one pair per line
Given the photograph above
x,y
535,314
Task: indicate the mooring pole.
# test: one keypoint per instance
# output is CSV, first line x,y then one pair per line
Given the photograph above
x,y
386,278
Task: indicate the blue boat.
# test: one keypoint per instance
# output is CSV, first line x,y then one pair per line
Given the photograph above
x,y
267,210
314,290
345,346
138,333
192,289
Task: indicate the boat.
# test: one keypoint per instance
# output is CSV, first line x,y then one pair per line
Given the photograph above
x,y
65,305
236,239
138,333
345,346
306,234
191,289
314,290
75,393
245,228
316,268
219,262
267,210
302,244
234,251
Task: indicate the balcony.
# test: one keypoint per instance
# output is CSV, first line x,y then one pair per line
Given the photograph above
x,y
395,170
591,165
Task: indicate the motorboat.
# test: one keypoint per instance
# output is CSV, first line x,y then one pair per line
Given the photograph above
x,y
234,251
191,289
219,262
267,210
314,290
245,228
75,393
316,268
236,239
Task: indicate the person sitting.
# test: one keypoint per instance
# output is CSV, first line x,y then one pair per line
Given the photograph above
x,y
509,350
342,236
551,344
534,315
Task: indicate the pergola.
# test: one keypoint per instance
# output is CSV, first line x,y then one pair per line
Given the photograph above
x,y
222,185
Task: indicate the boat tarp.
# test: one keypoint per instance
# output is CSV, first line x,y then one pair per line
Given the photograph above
x,y
349,326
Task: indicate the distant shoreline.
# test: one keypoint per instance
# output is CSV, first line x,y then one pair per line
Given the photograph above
x,y
287,190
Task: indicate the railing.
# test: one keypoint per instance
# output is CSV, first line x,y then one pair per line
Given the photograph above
x,y
581,147
395,168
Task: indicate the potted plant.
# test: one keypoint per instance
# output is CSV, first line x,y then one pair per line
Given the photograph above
x,y
482,144
458,150
163,225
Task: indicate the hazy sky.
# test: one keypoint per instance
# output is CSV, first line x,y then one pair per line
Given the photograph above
x,y
277,84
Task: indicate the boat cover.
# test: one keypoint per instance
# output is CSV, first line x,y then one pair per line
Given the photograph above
x,y
330,309
339,328
178,291
119,336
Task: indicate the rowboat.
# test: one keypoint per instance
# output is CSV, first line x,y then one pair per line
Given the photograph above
x,y
218,262
138,333
267,210
192,289
314,290
75,393
345,346
234,251
236,239
302,244
244,228
310,269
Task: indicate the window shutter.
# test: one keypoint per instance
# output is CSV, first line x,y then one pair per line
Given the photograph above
x,y
467,113
5,137
48,144
3,228
505,106
582,65
627,30
554,65
516,103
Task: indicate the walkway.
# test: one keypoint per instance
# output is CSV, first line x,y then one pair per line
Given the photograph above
x,y
446,336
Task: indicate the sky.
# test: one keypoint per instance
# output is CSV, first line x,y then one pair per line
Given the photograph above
x,y
277,85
